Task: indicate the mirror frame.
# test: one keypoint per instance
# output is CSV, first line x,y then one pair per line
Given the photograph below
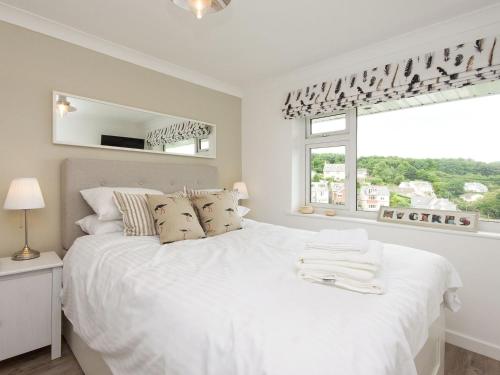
x,y
213,155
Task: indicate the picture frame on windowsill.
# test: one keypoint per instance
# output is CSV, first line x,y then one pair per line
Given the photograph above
x,y
442,219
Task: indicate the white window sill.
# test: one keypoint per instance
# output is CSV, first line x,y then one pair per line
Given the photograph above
x,y
364,221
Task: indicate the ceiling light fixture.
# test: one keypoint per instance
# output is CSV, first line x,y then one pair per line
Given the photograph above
x,y
202,7
64,106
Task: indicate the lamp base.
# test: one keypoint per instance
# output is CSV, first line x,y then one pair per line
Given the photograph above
x,y
26,254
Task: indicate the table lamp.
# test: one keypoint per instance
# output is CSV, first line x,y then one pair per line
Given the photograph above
x,y
24,194
242,190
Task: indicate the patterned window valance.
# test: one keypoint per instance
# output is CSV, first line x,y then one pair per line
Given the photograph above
x,y
457,66
177,132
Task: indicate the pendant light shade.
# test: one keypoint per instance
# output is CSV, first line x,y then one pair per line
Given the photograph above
x,y
201,7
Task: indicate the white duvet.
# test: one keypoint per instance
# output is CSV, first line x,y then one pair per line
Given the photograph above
x,y
233,304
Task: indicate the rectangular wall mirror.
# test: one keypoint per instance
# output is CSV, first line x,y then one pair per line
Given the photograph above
x,y
79,121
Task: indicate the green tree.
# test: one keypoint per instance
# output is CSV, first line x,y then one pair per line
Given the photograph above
x,y
455,187
318,160
398,179
317,177
446,175
489,205
399,200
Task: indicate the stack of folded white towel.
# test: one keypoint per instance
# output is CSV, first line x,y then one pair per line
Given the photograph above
x,y
344,258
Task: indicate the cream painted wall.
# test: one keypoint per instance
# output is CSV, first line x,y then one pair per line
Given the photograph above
x,y
273,168
32,66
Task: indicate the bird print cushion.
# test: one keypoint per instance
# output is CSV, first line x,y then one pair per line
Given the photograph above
x,y
218,212
174,218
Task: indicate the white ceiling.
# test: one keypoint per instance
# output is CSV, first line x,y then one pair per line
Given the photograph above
x,y
251,40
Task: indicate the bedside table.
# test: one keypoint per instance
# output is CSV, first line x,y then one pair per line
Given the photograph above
x,y
30,305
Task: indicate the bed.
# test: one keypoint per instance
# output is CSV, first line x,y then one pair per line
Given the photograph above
x,y
232,304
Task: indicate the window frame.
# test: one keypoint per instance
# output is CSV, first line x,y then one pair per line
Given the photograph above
x,y
334,139
199,147
309,121
311,146
349,138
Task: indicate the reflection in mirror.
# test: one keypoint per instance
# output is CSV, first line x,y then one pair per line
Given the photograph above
x,y
92,123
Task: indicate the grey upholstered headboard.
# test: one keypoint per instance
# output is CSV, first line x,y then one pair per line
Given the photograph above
x,y
79,174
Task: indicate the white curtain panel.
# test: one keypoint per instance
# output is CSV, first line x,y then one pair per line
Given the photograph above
x,y
457,66
177,132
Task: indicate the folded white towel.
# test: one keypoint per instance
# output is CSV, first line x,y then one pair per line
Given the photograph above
x,y
335,248
332,271
340,263
373,256
340,240
353,270
371,287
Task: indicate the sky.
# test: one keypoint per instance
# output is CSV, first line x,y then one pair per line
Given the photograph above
x,y
468,129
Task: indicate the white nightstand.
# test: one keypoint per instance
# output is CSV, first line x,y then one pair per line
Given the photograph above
x,y
30,305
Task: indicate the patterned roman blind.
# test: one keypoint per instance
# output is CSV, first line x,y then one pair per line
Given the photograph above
x,y
457,66
177,132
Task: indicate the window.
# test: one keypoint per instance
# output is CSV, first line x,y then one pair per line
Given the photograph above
x,y
437,151
327,147
327,175
440,156
323,126
188,147
203,144
182,147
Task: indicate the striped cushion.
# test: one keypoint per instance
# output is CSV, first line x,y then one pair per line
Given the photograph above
x,y
137,217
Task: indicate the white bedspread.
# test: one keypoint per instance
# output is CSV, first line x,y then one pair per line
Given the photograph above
x,y
233,304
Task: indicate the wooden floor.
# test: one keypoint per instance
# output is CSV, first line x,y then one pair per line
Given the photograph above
x,y
38,362
458,362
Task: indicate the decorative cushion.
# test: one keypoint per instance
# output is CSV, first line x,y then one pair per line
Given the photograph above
x,y
92,225
218,212
137,217
191,193
100,199
175,218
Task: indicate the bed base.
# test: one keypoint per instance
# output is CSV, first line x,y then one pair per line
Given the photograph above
x,y
429,361
89,360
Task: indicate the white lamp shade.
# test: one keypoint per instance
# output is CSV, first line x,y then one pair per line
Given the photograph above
x,y
24,194
242,190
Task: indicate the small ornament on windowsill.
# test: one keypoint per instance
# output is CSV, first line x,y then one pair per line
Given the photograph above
x,y
330,213
306,210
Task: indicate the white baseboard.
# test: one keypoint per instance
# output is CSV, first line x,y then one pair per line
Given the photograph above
x,y
474,345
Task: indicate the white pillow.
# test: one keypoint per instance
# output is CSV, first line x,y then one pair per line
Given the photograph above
x,y
101,200
92,225
242,210
196,192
